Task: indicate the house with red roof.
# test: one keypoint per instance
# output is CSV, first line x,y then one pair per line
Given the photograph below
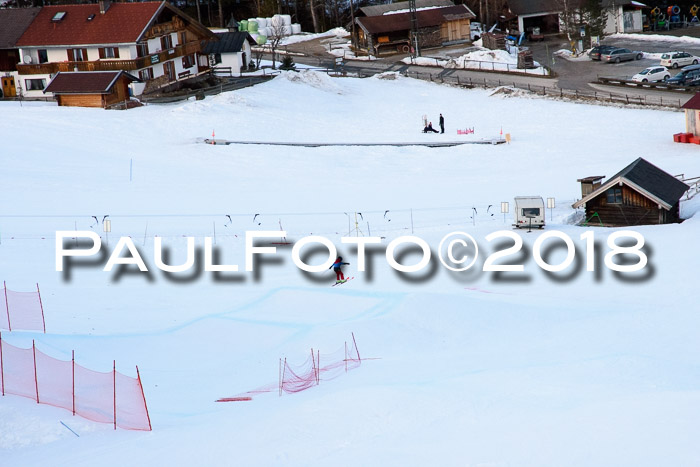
x,y
153,41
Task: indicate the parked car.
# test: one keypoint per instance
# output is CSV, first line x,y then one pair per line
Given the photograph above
x,y
596,51
653,73
688,76
620,55
678,59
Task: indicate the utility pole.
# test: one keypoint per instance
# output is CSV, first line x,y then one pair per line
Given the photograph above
x,y
415,52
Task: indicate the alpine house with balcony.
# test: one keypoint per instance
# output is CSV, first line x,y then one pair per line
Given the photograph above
x,y
152,40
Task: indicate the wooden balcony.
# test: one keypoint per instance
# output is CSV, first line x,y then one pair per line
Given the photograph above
x,y
110,65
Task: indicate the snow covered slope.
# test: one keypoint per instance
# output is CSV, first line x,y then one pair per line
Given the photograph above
x,y
570,368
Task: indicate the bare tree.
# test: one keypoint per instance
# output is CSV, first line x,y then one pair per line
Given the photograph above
x,y
314,16
277,33
258,54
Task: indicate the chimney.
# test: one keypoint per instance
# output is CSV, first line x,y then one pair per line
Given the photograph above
x,y
104,6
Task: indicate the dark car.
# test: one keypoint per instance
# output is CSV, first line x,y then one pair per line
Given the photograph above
x,y
688,76
598,50
620,55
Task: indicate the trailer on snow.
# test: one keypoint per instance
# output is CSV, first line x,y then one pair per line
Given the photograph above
x,y
529,212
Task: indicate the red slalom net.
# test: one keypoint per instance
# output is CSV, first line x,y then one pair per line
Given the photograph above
x,y
22,310
316,368
101,397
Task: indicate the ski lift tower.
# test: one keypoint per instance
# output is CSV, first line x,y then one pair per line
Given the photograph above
x,y
415,52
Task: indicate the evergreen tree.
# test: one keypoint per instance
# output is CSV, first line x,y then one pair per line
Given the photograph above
x,y
288,63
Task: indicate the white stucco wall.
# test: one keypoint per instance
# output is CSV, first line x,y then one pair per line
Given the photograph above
x,y
616,21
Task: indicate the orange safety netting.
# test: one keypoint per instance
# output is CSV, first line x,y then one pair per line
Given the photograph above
x,y
316,368
22,310
102,397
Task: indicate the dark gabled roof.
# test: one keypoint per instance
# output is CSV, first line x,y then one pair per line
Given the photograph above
x,y
647,179
86,82
229,42
529,7
402,21
693,103
378,10
13,23
661,184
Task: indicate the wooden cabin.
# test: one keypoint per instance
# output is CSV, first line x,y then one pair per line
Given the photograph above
x,y
391,33
640,194
91,88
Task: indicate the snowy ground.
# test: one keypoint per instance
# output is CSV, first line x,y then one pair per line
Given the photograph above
x,y
570,368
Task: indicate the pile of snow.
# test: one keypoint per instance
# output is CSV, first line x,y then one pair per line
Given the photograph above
x,y
486,59
313,79
570,56
657,38
335,32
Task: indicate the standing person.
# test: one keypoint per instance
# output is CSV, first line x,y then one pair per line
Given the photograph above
x,y
442,124
339,277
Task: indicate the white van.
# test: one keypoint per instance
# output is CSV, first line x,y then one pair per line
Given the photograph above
x,y
529,212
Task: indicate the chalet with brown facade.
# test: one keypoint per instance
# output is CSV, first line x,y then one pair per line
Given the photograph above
x,y
152,40
90,88
391,32
13,23
639,194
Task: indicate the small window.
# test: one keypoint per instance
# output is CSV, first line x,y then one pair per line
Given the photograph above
x,y
146,74
614,196
34,84
166,42
531,212
141,50
188,61
109,52
77,55
42,55
58,16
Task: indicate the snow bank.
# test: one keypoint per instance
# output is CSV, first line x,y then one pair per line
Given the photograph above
x,y
313,79
335,32
657,38
493,60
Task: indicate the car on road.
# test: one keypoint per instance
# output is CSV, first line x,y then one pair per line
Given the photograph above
x,y
596,51
678,59
653,73
688,76
620,55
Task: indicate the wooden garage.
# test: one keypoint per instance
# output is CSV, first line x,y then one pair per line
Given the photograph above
x,y
391,33
91,88
639,194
